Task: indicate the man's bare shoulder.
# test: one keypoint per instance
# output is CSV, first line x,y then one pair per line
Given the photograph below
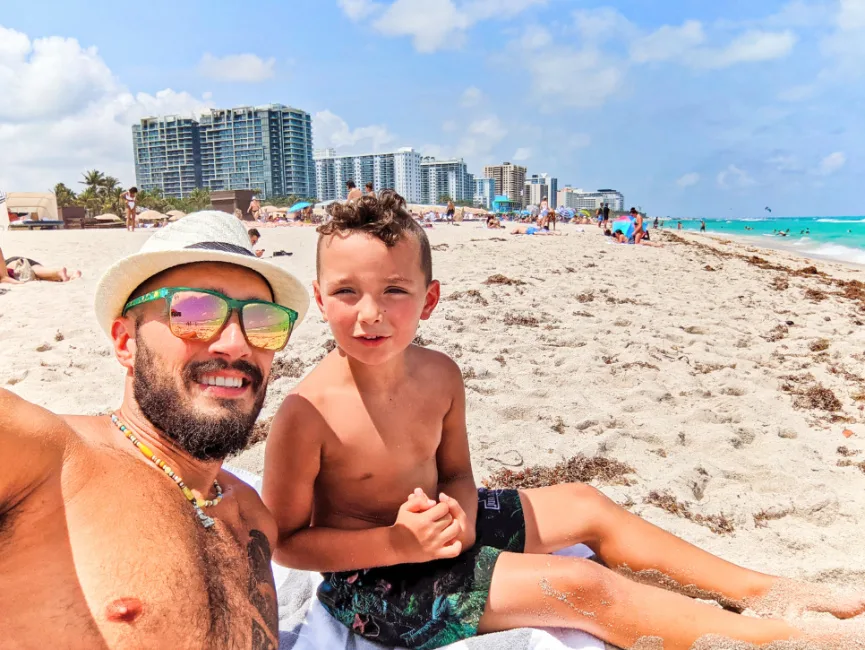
x,y
22,420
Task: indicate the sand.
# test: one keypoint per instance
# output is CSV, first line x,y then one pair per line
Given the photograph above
x,y
709,375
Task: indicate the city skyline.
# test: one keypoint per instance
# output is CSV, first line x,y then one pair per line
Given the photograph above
x,y
714,110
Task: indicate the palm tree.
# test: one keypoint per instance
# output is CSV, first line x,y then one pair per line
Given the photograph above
x,y
93,179
65,197
109,185
199,199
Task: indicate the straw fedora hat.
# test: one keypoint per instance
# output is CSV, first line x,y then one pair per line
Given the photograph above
x,y
208,236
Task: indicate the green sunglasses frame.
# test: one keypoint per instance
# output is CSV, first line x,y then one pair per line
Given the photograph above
x,y
166,293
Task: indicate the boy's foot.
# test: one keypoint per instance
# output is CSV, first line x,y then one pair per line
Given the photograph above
x,y
791,598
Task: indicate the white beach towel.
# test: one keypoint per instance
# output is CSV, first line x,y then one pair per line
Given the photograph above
x,y
304,624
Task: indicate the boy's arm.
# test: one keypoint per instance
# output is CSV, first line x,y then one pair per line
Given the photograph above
x,y
456,478
291,464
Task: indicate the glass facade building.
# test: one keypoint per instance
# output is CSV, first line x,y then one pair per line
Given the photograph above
x,y
167,155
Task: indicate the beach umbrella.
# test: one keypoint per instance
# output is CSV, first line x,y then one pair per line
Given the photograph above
x,y
299,206
108,217
567,213
152,215
175,215
624,226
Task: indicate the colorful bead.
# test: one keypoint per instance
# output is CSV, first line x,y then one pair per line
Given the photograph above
x,y
197,503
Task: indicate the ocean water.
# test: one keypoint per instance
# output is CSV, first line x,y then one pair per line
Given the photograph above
x,y
834,238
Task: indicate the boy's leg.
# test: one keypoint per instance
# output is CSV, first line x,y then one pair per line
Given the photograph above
x,y
563,515
550,591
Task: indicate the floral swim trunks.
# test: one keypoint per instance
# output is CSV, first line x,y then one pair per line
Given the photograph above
x,y
433,604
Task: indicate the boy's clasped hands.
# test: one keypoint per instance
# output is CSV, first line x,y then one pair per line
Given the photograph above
x,y
426,530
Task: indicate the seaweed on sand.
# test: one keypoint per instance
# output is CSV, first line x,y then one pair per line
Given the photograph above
x,y
525,321
498,278
578,469
719,524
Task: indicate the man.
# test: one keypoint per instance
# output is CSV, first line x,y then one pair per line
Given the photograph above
x,y
254,236
370,191
606,215
353,192
123,531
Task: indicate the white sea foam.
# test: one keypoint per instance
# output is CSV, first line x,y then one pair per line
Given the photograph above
x,y
838,252
840,220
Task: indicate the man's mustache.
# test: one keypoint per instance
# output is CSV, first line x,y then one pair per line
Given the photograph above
x,y
194,371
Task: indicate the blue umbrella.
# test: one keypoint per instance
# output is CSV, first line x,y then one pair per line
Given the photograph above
x,y
299,206
625,226
568,213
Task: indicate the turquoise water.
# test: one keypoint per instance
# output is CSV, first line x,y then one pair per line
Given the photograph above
x,y
838,238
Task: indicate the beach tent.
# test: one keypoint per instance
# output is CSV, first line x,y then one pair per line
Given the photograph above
x,y
42,203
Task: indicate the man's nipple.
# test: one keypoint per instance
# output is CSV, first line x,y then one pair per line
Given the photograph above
x,y
124,610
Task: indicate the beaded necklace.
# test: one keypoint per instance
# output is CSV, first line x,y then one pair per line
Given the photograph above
x,y
197,503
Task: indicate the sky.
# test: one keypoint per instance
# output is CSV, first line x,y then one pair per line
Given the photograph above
x,y
690,108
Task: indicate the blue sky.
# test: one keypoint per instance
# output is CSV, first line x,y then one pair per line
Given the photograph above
x,y
689,108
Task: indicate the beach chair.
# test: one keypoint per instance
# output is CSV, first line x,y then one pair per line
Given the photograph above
x,y
73,217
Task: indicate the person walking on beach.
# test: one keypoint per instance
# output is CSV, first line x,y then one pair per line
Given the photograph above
x,y
370,191
702,225
606,215
600,217
255,208
130,200
451,211
123,530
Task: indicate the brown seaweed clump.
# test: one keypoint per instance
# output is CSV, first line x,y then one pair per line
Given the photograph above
x,y
817,397
472,295
819,345
578,469
719,524
287,367
498,278
815,295
525,321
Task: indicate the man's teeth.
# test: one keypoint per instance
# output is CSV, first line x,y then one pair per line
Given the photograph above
x,y
227,382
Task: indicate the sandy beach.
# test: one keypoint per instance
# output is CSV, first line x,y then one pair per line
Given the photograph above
x,y
729,380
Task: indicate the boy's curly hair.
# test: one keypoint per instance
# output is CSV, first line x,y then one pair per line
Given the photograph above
x,y
384,217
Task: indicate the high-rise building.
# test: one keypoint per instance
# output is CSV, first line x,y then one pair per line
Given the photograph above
x,y
510,181
268,148
445,178
485,192
399,170
167,155
581,199
539,187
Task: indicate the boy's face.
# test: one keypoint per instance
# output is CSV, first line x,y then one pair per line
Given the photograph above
x,y
372,296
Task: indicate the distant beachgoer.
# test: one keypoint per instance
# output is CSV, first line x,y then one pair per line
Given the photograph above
x,y
606,213
656,222
353,192
255,208
254,236
533,230
24,269
702,225
638,225
451,211
6,277
679,226
493,222
130,198
369,189
600,217
544,207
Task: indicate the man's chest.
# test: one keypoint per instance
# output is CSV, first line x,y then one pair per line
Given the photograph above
x,y
136,573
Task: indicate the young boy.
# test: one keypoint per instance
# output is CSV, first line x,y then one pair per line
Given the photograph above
x,y
379,425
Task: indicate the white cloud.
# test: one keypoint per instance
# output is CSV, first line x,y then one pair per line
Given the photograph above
x,y
688,180
62,111
243,68
535,38
449,126
751,47
358,9
481,137
575,78
785,163
331,131
668,43
602,24
471,97
832,163
735,178
846,44
523,153
439,24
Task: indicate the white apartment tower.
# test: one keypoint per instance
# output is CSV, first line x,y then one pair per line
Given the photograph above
x,y
399,170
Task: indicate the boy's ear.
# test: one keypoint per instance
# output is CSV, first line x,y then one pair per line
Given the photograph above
x,y
316,291
433,293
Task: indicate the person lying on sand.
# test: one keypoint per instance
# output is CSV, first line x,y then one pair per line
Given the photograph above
x,y
368,474
533,230
7,277
33,270
122,531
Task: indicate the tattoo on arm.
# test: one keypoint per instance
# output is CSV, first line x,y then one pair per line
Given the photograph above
x,y
262,592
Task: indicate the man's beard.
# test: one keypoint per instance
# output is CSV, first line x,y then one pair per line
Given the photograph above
x,y
205,437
